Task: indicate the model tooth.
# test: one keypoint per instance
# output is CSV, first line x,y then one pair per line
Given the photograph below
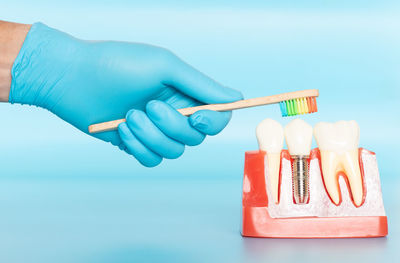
x,y
338,145
298,135
270,139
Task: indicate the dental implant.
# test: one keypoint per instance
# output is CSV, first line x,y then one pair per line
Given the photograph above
x,y
300,178
298,135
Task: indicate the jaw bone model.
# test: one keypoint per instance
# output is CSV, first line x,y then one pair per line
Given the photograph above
x,y
345,193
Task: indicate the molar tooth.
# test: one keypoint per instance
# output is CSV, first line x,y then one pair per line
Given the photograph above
x,y
270,139
338,144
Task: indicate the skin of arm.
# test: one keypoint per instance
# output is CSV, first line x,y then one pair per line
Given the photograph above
x,y
12,36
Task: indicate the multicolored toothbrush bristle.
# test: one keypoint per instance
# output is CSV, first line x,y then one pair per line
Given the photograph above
x,y
298,106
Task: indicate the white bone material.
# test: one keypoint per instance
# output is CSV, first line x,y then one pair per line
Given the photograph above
x,y
320,205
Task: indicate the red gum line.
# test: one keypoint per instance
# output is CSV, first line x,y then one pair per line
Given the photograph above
x,y
280,177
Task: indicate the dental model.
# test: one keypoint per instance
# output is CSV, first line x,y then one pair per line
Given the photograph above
x,y
343,198
338,144
298,135
270,139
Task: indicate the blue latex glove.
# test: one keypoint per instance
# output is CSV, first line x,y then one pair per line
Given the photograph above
x,y
86,82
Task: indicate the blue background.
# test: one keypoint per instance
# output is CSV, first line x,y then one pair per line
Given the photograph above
x,y
66,197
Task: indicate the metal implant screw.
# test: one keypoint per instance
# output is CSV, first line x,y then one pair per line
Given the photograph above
x,y
300,178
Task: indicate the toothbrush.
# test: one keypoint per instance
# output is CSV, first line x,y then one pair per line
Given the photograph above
x,y
291,104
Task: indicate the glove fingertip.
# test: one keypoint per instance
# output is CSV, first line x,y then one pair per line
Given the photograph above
x,y
129,114
152,105
150,162
234,94
123,129
155,110
210,122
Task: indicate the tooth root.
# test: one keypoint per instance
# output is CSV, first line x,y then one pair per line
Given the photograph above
x,y
347,162
338,144
329,163
274,161
270,139
351,167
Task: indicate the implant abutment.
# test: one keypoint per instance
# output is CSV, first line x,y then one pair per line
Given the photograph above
x,y
300,178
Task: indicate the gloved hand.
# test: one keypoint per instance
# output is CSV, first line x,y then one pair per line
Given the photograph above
x,y
86,82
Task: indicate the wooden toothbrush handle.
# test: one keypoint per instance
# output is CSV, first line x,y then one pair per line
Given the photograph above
x,y
254,102
241,104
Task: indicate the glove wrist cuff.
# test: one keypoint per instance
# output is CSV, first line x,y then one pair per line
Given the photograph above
x,y
39,65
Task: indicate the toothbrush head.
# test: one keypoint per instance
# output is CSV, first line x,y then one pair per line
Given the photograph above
x,y
298,106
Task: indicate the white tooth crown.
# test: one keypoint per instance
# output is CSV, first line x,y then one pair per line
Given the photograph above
x,y
270,136
298,135
270,139
337,137
338,145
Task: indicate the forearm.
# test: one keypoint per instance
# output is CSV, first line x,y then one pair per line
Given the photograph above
x,y
12,36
